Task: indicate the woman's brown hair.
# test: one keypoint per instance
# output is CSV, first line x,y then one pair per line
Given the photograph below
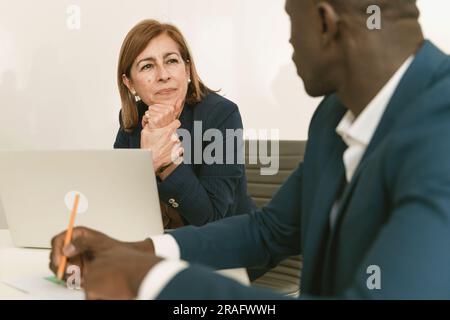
x,y
135,42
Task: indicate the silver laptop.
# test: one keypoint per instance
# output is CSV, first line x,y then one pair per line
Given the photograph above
x,y
117,188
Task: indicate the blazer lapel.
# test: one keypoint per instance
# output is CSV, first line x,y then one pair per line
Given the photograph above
x,y
317,226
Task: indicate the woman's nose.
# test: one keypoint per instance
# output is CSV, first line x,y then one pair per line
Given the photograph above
x,y
163,74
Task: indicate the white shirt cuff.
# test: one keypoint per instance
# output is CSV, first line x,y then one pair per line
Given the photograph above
x,y
158,277
166,247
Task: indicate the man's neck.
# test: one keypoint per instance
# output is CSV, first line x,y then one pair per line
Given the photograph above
x,y
367,74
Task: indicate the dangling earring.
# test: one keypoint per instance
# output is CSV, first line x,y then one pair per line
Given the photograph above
x,y
136,97
189,80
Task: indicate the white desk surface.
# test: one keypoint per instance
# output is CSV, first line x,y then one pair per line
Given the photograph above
x,y
18,262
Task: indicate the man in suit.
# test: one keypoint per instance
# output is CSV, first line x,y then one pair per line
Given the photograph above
x,y
369,208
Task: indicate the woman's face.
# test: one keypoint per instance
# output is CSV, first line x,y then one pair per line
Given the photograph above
x,y
159,75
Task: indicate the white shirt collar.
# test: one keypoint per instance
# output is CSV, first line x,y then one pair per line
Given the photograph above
x,y
361,130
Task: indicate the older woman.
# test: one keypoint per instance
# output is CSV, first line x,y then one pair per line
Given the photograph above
x,y
162,92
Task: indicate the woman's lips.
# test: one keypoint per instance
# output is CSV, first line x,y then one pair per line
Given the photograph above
x,y
166,91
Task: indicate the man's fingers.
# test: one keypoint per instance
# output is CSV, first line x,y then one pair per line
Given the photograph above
x,y
56,258
81,242
52,266
57,248
70,250
56,239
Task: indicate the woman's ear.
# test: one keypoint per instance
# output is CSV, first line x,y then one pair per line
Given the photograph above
x,y
129,84
188,70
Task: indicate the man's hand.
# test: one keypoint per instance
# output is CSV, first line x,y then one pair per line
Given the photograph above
x,y
117,273
86,244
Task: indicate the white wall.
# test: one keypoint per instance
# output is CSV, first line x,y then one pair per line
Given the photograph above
x,y
58,89
3,224
57,86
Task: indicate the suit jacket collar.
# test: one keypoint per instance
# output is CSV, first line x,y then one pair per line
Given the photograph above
x,y
413,84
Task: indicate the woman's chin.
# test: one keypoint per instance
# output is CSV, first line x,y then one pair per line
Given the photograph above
x,y
164,101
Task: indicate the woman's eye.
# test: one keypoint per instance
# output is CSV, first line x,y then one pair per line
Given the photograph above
x,y
147,66
172,61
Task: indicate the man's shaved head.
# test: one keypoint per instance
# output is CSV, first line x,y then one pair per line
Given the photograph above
x,y
330,37
404,7
389,8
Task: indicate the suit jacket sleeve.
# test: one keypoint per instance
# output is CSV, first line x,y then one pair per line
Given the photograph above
x,y
210,286
262,238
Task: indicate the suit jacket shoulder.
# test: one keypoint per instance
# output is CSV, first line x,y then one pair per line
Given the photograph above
x,y
214,110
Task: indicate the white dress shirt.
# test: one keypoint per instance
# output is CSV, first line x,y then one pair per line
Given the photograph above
x,y
356,133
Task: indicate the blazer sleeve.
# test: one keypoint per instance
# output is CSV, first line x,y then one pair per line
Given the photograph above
x,y
207,195
211,286
259,239
122,138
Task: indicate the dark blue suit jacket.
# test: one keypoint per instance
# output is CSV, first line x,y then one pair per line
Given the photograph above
x,y
395,213
203,192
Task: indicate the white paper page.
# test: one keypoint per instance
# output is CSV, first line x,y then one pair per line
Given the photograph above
x,y
37,287
40,288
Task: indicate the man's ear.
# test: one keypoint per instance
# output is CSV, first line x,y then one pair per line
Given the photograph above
x,y
329,20
129,84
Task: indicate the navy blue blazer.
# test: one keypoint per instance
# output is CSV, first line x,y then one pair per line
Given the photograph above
x,y
203,192
395,213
